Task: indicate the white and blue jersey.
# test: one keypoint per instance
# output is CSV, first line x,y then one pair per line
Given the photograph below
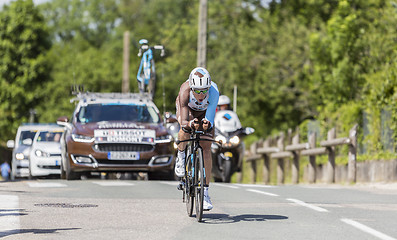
x,y
208,104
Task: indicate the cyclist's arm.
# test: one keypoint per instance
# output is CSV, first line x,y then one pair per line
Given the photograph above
x,y
213,100
183,103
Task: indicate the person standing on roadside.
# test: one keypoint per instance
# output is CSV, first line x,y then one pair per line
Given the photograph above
x,y
5,170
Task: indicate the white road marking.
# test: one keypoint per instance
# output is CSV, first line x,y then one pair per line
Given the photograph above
x,y
225,185
254,185
299,202
9,215
366,229
113,183
261,192
174,183
46,185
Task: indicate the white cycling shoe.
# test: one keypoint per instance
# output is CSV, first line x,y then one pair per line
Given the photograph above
x,y
180,167
207,205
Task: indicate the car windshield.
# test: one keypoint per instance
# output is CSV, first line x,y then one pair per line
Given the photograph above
x,y
117,112
49,136
26,135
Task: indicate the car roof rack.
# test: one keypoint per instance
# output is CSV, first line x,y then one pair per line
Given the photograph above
x,y
39,124
92,96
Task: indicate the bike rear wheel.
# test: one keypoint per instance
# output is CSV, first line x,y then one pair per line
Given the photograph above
x,y
199,177
152,80
189,195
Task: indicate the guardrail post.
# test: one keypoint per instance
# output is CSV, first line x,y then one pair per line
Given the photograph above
x,y
352,165
295,161
312,159
280,161
331,158
253,148
266,164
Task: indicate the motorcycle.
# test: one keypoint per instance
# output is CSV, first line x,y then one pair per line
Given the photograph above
x,y
227,158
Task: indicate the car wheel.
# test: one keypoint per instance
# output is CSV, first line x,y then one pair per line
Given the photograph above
x,y
63,173
69,174
169,175
31,177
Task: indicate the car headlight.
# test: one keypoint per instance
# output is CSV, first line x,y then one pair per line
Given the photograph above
x,y
235,140
19,156
40,153
82,138
164,139
220,138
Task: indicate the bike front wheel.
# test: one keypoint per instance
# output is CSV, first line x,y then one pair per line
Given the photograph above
x,y
189,195
199,177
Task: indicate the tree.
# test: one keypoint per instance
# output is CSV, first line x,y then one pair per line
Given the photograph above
x,y
24,42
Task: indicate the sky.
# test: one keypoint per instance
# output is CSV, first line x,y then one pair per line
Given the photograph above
x,y
2,2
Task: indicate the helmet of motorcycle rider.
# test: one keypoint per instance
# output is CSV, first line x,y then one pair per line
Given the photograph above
x,y
223,100
199,78
223,103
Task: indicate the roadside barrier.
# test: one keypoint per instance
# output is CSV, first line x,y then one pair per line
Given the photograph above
x,y
295,150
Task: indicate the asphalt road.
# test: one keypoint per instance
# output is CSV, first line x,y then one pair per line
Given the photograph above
x,y
109,209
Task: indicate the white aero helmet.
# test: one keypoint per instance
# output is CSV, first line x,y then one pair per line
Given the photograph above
x,y
223,100
199,78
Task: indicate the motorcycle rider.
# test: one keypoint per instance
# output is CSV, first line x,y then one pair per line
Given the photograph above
x,y
195,109
229,159
225,112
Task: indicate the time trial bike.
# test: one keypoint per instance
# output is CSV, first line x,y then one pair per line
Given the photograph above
x,y
194,181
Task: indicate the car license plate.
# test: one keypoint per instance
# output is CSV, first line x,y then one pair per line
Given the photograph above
x,y
123,155
124,135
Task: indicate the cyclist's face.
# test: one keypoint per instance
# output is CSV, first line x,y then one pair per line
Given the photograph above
x,y
200,94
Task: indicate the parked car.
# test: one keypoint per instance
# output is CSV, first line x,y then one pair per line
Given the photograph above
x,y
115,132
45,154
21,148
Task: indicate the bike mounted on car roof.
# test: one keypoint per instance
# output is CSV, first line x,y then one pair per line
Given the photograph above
x,y
147,71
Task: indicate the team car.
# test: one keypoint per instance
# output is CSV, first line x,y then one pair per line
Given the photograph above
x,y
116,132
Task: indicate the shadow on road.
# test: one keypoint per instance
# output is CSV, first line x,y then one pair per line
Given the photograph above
x,y
34,231
225,218
12,212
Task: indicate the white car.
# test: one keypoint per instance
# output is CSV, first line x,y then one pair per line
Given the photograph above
x,y
21,150
45,154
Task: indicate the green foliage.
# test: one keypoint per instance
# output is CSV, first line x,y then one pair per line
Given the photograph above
x,y
24,66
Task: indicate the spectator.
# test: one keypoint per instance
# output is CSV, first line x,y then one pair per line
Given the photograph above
x,y
5,170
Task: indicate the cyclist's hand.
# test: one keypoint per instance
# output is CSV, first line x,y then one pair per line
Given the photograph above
x,y
194,124
206,124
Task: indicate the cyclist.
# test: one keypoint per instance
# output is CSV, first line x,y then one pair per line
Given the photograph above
x,y
195,109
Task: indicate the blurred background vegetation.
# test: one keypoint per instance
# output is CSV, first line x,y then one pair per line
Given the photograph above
x,y
294,62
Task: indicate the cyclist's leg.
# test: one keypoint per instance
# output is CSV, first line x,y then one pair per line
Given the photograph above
x,y
180,160
206,145
181,134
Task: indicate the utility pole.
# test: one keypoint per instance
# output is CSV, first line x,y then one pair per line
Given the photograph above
x,y
125,88
202,35
32,114
235,98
